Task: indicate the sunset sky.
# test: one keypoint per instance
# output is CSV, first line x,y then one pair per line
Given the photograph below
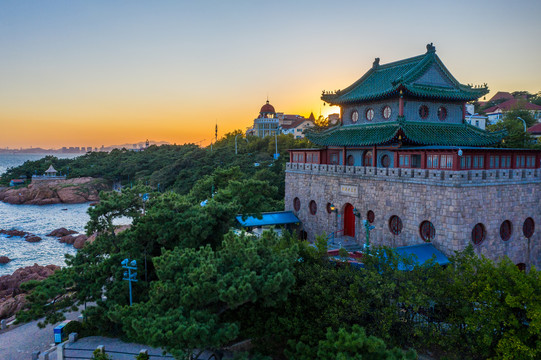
x,y
92,73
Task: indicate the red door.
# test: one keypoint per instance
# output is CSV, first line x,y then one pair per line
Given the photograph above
x,y
349,221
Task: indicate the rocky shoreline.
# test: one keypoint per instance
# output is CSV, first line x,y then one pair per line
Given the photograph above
x,y
70,191
12,298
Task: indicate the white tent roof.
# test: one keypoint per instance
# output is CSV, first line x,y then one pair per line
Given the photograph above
x,y
51,169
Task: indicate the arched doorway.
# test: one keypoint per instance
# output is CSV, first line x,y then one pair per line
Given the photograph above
x,y
349,220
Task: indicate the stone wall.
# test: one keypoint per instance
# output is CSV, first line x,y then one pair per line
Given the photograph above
x,y
454,201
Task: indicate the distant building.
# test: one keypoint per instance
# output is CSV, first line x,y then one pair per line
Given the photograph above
x,y
269,123
49,175
535,131
496,113
475,119
15,182
298,126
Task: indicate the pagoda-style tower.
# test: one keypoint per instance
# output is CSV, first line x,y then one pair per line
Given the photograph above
x,y
403,158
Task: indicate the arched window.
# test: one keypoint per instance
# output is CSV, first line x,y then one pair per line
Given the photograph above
x,y
351,160
427,230
370,216
423,111
395,225
296,204
528,227
506,228
313,207
367,158
478,234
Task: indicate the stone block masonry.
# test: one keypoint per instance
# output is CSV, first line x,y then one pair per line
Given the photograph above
x,y
453,201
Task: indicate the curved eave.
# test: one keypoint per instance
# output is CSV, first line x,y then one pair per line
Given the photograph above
x,y
444,93
419,133
336,99
356,135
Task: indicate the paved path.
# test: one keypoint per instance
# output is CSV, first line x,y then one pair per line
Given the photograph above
x,y
19,342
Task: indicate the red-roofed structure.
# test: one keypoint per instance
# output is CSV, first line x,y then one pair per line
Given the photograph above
x,y
495,113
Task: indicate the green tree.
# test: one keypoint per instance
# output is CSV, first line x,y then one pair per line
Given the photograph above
x,y
351,345
197,289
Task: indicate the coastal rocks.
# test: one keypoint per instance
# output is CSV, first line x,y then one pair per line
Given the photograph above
x,y
32,238
4,259
11,296
60,232
70,191
18,233
80,241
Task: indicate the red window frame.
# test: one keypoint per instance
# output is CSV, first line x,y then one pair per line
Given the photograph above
x,y
528,228
395,225
478,234
506,230
427,231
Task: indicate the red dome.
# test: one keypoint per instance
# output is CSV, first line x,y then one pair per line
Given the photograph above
x,y
267,108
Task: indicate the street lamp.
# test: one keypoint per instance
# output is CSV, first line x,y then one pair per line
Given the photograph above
x,y
523,122
128,275
367,227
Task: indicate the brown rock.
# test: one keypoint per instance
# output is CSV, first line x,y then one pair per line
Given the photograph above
x,y
14,232
80,241
70,191
4,259
68,239
11,297
32,238
61,232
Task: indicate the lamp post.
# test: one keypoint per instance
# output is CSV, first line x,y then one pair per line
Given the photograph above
x,y
367,227
357,215
128,275
335,211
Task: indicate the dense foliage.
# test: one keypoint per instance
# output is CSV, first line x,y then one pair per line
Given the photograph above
x,y
174,167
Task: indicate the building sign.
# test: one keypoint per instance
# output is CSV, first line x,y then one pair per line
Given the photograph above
x,y
350,190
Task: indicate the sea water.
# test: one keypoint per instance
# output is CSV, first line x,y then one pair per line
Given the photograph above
x,y
39,220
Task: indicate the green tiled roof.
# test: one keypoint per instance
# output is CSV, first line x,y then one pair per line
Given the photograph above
x,y
387,80
418,133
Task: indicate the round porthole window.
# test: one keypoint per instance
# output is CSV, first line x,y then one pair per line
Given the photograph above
x,y
370,216
395,225
478,234
386,112
528,227
423,111
296,204
427,231
506,228
370,114
386,161
442,113
354,116
313,207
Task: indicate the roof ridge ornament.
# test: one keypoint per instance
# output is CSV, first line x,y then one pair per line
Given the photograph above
x,y
375,64
430,48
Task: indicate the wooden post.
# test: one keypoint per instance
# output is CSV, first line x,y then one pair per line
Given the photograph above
x,y
401,104
344,156
374,156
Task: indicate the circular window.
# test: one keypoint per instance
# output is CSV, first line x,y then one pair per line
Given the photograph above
x,y
386,112
385,161
313,207
478,234
370,114
351,160
423,111
370,216
442,113
505,230
296,204
354,116
427,231
329,208
367,158
395,225
528,227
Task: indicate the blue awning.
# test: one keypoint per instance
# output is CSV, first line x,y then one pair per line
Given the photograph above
x,y
421,253
270,218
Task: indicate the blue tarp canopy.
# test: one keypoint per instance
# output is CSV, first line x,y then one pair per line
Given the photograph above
x,y
420,254
270,218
